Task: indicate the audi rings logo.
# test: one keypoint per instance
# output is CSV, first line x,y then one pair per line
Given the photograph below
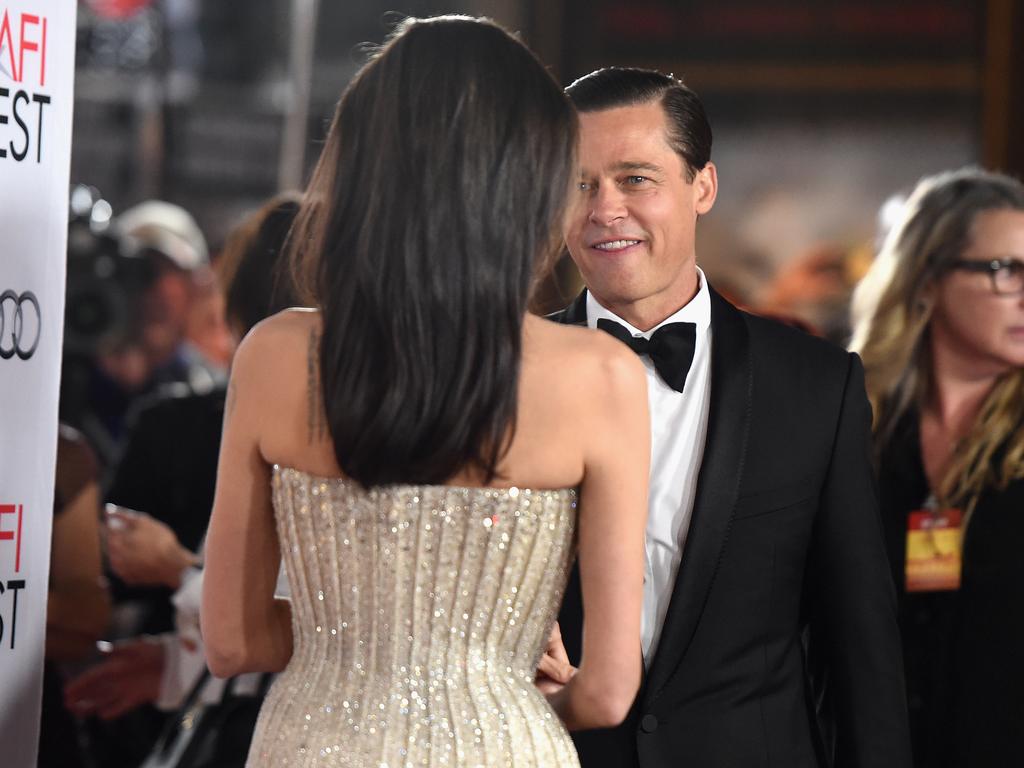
x,y
20,324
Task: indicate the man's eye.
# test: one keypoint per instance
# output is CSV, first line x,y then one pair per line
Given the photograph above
x,y
633,180
584,186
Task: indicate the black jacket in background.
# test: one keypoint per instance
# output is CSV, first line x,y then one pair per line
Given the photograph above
x,y
964,649
169,470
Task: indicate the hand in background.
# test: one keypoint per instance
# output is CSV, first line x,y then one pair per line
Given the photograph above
x,y
554,669
128,677
143,551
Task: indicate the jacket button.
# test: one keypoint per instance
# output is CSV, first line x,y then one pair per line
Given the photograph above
x,y
649,724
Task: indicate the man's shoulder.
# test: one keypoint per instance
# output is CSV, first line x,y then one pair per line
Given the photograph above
x,y
776,340
558,316
174,401
574,313
177,409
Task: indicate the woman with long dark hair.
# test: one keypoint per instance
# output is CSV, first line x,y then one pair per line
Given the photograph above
x,y
420,452
939,323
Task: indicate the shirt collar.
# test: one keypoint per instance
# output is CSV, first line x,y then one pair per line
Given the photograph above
x,y
697,311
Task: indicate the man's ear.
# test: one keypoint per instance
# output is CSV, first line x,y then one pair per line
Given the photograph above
x,y
705,186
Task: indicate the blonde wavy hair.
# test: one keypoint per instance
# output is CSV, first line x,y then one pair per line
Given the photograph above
x,y
891,311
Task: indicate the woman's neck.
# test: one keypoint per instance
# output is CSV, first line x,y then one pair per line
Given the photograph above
x,y
959,385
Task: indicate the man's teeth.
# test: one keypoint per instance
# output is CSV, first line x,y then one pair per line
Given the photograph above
x,y
615,245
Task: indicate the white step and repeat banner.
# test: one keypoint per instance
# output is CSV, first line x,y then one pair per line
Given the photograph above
x,y
37,54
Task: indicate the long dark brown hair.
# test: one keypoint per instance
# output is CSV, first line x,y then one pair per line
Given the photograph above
x,y
441,186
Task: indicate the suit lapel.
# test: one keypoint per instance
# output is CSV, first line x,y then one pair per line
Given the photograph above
x,y
717,489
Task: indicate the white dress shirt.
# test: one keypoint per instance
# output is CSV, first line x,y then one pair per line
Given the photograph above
x,y
679,423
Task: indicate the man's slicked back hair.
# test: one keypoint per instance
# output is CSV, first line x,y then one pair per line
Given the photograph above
x,y
689,132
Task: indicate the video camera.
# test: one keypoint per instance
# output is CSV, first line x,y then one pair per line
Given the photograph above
x,y
107,278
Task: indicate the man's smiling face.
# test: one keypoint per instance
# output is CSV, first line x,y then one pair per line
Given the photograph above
x,y
631,223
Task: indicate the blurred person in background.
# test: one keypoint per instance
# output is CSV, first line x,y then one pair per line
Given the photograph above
x,y
169,471
140,295
814,287
170,238
168,468
939,323
171,323
77,606
206,328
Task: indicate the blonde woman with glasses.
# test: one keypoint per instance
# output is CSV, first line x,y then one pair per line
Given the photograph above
x,y
939,324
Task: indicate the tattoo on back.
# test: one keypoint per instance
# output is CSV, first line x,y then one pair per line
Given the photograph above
x,y
316,429
232,398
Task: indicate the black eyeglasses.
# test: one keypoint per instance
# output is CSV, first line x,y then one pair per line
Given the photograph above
x,y
1007,275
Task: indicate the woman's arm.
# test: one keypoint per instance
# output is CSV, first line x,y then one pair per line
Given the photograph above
x,y
613,517
245,629
78,606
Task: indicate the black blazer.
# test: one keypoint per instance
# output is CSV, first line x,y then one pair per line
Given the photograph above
x,y
169,470
780,646
962,649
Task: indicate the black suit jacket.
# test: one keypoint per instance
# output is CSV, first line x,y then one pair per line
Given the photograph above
x,y
780,646
169,470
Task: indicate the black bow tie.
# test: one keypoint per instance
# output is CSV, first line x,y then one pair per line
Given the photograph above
x,y
670,348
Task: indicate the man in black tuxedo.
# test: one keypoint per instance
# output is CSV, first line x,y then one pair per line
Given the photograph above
x,y
769,627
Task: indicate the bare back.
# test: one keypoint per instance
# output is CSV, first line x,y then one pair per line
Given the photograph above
x,y
560,393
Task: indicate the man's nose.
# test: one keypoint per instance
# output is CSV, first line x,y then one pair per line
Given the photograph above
x,y
607,206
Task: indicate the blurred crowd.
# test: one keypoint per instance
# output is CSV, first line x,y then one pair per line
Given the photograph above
x,y
151,325
935,308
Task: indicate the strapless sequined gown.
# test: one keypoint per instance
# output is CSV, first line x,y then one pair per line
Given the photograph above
x,y
419,614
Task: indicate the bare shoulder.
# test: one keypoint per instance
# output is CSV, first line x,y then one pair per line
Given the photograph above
x,y
288,324
272,358
275,379
279,338
589,361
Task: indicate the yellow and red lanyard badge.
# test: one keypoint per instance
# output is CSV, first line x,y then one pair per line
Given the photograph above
x,y
934,544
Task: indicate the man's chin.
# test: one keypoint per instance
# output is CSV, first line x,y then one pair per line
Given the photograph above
x,y
614,296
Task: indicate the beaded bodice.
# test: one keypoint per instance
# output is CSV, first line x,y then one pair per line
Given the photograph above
x,y
419,614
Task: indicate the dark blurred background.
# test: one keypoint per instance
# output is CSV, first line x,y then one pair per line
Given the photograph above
x,y
822,109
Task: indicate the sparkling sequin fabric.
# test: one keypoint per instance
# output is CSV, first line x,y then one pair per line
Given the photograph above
x,y
419,615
